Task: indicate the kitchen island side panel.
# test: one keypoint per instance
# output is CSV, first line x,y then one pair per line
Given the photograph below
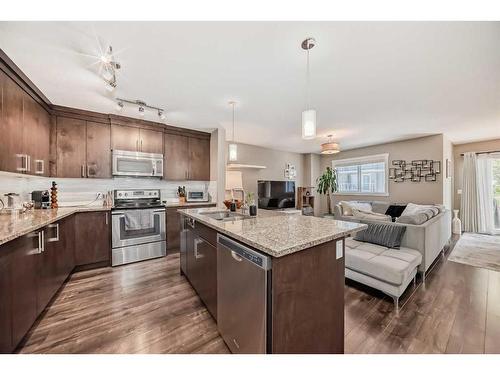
x,y
308,301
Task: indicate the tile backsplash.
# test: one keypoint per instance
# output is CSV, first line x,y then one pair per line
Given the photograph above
x,y
78,191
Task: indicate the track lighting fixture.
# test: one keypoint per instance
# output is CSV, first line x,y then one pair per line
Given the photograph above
x,y
120,103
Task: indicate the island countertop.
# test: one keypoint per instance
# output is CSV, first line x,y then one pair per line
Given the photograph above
x,y
278,233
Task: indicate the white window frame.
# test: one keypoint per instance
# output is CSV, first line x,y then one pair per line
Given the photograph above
x,y
362,160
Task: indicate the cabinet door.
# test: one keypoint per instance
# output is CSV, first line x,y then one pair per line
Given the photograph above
x,y
207,274
5,301
24,281
173,229
71,151
98,150
151,141
36,136
199,159
47,268
125,138
92,238
11,127
176,157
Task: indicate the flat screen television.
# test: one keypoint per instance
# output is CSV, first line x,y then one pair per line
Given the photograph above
x,y
275,195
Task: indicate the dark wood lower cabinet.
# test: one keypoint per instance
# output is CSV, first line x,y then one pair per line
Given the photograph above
x,y
5,302
92,238
174,226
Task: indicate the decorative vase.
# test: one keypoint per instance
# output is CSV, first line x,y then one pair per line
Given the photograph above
x,y
456,223
253,210
182,200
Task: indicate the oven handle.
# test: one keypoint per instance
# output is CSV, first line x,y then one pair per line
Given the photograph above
x,y
123,212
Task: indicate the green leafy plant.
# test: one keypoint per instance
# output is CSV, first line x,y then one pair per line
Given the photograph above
x,y
250,199
327,184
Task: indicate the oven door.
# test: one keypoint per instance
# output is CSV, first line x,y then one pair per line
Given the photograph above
x,y
121,236
138,164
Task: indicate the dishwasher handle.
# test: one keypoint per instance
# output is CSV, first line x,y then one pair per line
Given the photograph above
x,y
241,252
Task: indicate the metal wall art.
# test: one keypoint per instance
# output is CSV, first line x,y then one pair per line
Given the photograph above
x,y
290,171
415,171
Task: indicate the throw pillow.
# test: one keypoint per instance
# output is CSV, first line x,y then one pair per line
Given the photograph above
x,y
412,208
415,219
388,235
346,208
395,210
362,206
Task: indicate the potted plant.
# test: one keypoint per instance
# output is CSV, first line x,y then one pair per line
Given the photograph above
x,y
327,184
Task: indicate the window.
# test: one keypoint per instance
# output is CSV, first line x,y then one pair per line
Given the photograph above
x,y
364,176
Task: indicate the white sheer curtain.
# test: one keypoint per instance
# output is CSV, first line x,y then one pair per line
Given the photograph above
x,y
477,194
485,193
469,200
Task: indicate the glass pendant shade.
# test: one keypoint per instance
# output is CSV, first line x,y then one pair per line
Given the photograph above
x,y
309,124
233,152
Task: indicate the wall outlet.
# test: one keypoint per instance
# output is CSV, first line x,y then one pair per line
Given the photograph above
x,y
340,249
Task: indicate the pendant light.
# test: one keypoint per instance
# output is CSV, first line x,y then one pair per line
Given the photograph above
x,y
330,147
309,115
233,147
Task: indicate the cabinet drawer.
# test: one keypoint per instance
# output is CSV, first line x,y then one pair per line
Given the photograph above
x,y
206,233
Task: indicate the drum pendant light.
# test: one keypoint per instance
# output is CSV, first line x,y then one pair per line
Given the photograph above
x,y
309,115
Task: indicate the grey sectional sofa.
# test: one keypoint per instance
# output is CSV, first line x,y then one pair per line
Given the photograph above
x,y
392,270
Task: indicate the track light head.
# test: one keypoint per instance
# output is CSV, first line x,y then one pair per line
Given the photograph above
x,y
110,85
161,115
141,111
119,106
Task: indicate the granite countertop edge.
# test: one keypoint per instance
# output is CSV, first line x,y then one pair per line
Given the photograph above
x,y
62,212
274,253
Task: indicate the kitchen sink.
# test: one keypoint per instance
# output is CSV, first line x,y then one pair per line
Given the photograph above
x,y
225,215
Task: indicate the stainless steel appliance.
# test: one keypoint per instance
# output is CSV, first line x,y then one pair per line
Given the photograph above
x,y
187,240
137,164
41,198
196,195
243,297
138,226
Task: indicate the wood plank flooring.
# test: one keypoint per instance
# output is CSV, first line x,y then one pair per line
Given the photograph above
x,y
149,307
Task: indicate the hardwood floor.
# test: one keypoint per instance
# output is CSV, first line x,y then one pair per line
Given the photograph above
x,y
149,308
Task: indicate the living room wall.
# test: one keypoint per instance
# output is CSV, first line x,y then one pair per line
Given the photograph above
x,y
428,147
491,145
274,161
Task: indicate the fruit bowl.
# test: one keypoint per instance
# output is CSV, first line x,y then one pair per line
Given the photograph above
x,y
239,203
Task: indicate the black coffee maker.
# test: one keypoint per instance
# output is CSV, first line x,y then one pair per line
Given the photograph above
x,y
41,198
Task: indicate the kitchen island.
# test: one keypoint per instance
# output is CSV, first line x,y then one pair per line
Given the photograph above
x,y
274,283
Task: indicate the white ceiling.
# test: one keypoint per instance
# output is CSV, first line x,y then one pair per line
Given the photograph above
x,y
372,82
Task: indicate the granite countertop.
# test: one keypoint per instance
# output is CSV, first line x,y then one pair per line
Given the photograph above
x,y
17,225
278,234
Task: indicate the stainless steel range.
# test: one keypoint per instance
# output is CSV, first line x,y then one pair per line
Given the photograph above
x,y
138,226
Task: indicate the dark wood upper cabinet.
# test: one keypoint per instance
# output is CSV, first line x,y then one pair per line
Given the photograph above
x,y
151,141
36,136
71,150
125,138
12,158
199,159
98,150
92,238
176,157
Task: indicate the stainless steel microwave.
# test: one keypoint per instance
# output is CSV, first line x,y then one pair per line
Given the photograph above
x,y
137,164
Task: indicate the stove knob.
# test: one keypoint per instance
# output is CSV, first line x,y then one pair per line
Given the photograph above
x,y
119,194
126,194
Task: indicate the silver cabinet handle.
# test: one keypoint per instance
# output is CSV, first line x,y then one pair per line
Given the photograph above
x,y
39,166
41,241
236,256
107,213
24,162
28,162
197,255
141,145
83,170
56,238
137,145
88,170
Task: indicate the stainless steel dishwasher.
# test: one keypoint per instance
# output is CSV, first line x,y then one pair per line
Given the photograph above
x,y
243,297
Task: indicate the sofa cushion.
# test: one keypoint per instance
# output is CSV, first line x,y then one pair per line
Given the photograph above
x,y
348,206
389,265
380,207
368,215
388,235
415,219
